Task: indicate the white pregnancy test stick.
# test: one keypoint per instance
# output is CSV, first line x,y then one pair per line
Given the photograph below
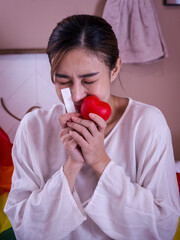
x,y
68,102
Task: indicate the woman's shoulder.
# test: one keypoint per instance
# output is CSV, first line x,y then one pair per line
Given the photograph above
x,y
146,114
42,116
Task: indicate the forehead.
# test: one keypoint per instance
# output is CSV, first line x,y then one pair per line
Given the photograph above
x,y
81,58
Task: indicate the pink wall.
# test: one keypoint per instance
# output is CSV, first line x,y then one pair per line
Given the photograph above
x,y
157,84
28,24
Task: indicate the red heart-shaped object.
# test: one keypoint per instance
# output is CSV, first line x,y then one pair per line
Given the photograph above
x,y
92,104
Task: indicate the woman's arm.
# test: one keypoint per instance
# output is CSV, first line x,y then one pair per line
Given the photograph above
x,y
39,209
147,208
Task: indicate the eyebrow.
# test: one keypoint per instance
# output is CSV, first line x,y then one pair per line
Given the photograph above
x,y
81,76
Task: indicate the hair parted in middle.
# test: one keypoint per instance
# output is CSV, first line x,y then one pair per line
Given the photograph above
x,y
88,32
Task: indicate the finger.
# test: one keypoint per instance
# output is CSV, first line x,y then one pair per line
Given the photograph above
x,y
99,121
65,138
70,145
64,118
78,139
81,130
88,124
64,131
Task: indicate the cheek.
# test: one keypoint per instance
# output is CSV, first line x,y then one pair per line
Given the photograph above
x,y
59,94
103,91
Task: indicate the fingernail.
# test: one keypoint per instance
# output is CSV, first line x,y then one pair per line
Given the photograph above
x,y
91,115
74,118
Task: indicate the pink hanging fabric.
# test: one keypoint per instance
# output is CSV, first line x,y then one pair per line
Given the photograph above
x,y
137,28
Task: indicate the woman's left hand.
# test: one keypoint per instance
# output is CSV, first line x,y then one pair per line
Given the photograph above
x,y
90,137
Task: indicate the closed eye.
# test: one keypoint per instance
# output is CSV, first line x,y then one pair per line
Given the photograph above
x,y
89,82
64,83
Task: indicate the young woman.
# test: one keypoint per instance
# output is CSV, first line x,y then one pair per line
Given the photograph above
x,y
92,179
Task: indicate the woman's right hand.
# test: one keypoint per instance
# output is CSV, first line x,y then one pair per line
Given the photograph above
x,y
75,159
71,147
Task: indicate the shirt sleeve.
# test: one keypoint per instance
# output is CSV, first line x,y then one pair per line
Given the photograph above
x,y
36,210
148,207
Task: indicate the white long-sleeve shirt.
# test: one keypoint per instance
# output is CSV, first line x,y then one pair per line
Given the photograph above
x,y
135,198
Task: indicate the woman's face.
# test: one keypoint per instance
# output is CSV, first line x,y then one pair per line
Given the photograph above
x,y
85,74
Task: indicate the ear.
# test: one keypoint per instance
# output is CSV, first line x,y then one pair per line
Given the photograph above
x,y
116,69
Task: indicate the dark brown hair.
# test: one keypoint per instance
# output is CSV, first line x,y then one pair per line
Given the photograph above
x,y
89,32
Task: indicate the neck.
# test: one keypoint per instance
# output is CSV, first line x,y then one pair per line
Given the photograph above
x,y
118,106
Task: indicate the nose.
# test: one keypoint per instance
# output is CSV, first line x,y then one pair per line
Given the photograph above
x,y
78,92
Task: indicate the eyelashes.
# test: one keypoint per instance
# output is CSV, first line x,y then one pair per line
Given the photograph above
x,y
70,82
